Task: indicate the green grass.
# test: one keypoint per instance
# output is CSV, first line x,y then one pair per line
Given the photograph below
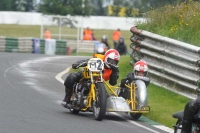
x,y
180,22
163,104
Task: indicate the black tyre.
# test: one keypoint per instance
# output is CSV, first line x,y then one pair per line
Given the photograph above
x,y
99,106
135,116
74,111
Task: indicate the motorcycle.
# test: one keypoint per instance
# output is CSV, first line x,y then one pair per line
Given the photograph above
x,y
178,126
90,94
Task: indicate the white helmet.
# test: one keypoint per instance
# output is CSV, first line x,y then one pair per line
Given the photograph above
x,y
111,58
141,67
101,48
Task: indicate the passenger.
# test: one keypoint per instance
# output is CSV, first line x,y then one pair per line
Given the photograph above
x,y
140,71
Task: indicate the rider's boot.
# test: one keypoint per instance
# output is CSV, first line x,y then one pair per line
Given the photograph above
x,y
66,101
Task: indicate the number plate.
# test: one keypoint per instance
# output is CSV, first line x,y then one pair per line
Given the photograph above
x,y
95,64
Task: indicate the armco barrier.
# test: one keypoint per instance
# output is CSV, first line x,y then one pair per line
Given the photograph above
x,y
42,46
85,46
25,45
173,65
2,43
81,46
11,45
28,45
61,47
36,45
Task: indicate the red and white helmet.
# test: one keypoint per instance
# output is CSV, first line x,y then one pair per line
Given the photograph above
x,y
141,67
111,58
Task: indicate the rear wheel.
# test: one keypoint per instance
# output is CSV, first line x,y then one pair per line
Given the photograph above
x,y
99,106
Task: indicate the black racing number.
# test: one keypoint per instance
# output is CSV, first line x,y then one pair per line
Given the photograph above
x,y
93,65
100,64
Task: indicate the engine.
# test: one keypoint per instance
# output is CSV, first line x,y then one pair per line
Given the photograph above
x,y
81,90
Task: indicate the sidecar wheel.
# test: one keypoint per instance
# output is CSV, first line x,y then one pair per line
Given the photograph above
x,y
99,106
135,116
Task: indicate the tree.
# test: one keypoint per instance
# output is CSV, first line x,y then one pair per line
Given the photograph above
x,y
8,5
100,9
25,5
16,5
65,7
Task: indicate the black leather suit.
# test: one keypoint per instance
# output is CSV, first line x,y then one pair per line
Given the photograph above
x,y
124,92
191,108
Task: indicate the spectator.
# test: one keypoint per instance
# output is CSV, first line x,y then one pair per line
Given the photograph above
x,y
121,47
47,34
115,37
87,34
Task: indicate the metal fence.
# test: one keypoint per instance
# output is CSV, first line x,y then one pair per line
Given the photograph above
x,y
173,64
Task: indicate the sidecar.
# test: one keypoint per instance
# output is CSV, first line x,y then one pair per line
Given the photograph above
x,y
134,102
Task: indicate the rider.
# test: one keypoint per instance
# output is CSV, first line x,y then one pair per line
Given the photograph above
x,y
105,41
191,108
140,71
100,51
110,72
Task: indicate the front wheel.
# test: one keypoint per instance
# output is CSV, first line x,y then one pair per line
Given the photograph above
x,y
99,106
178,126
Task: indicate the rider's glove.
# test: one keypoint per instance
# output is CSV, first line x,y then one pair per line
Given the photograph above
x,y
77,65
114,68
123,82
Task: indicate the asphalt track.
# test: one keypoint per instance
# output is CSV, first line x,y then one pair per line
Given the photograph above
x,y
31,89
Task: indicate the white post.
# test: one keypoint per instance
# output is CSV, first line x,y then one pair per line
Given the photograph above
x,y
60,28
82,20
78,36
41,28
